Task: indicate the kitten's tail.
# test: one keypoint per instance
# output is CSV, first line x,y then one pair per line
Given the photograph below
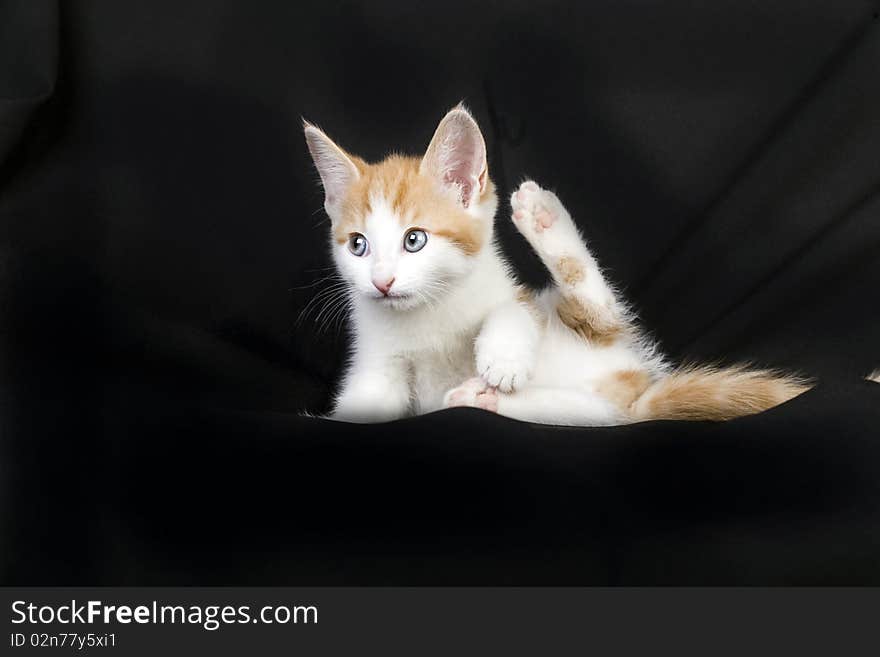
x,y
713,393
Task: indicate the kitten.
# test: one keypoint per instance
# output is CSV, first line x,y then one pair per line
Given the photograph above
x,y
439,319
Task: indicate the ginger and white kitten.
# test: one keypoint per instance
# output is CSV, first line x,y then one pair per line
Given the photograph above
x,y
439,319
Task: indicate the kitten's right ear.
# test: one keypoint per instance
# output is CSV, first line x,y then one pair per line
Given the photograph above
x,y
336,168
456,155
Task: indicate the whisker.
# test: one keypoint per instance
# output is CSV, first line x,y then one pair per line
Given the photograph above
x,y
314,283
333,315
321,298
328,306
341,315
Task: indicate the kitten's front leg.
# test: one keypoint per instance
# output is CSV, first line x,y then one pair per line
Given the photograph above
x,y
506,347
374,391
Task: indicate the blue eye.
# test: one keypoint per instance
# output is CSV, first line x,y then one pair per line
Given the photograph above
x,y
415,240
357,244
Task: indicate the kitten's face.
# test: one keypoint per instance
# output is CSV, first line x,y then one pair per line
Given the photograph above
x,y
406,229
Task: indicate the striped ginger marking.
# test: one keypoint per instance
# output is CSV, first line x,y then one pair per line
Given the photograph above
x,y
415,198
527,298
711,393
524,295
570,270
593,323
623,388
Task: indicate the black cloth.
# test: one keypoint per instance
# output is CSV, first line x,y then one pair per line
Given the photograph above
x,y
161,230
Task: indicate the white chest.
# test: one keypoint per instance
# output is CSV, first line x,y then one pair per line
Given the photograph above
x,y
437,370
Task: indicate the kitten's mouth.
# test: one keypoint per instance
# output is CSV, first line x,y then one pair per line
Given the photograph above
x,y
394,299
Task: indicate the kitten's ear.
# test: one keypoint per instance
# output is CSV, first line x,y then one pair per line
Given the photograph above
x,y
457,155
336,167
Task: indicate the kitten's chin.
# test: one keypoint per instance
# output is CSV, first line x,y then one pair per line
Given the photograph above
x,y
398,301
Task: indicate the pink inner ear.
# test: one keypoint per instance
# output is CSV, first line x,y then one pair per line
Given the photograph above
x,y
457,155
463,163
463,181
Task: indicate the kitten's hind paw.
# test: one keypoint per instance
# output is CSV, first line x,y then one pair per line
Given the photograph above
x,y
531,211
473,393
542,219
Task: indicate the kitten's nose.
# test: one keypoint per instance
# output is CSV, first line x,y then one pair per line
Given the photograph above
x,y
383,286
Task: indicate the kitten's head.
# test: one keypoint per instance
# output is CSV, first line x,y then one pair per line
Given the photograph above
x,y
405,229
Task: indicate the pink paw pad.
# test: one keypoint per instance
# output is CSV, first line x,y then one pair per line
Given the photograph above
x,y
466,393
474,384
459,397
529,212
488,400
543,219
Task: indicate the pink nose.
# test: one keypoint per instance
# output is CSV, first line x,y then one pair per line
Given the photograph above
x,y
383,287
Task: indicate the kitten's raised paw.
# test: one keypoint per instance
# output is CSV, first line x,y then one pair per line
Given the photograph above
x,y
540,217
473,393
531,211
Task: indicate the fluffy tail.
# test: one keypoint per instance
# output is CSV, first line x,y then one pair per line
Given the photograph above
x,y
712,393
874,376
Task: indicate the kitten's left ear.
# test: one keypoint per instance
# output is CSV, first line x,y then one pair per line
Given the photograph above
x,y
336,168
456,156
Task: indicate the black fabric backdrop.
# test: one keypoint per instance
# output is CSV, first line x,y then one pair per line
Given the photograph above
x,y
161,226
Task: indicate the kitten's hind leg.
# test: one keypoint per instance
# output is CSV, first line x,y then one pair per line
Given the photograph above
x,y
587,303
563,406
